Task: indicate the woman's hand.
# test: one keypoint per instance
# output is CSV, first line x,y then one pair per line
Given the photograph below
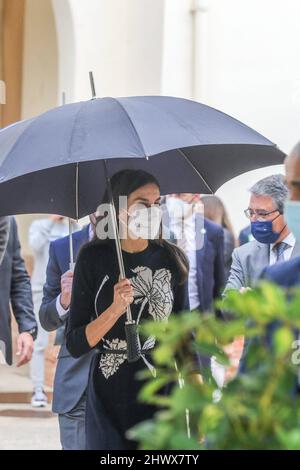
x,y
97,329
123,296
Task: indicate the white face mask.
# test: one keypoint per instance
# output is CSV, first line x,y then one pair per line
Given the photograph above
x,y
179,209
144,222
292,217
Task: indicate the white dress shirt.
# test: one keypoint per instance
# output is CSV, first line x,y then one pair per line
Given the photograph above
x,y
190,234
290,241
41,233
186,239
182,224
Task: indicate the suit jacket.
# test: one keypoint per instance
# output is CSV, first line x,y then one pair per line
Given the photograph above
x,y
248,262
71,376
15,288
210,262
209,258
285,274
4,232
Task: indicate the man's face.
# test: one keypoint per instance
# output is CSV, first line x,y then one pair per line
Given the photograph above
x,y
292,170
188,197
265,204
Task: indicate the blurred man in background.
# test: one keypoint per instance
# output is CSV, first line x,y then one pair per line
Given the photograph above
x,y
71,376
288,274
203,243
41,233
15,290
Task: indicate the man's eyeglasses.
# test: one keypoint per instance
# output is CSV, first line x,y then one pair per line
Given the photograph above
x,y
260,214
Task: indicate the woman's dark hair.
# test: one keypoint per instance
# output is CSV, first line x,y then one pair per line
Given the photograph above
x,y
126,182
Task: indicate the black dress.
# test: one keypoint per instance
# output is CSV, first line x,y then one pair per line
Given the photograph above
x,y
112,404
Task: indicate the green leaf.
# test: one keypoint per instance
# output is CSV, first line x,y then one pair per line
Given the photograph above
x,y
282,341
258,408
152,387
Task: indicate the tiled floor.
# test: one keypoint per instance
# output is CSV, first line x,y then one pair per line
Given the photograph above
x,y
23,428
15,382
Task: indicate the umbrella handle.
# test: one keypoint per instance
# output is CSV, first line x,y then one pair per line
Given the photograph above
x,y
133,342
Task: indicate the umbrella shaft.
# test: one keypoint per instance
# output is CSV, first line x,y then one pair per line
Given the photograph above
x,y
71,245
119,255
117,238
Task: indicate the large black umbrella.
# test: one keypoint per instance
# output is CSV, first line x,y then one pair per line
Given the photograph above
x,y
54,163
61,162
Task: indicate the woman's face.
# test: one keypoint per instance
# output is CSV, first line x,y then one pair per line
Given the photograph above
x,y
138,202
147,196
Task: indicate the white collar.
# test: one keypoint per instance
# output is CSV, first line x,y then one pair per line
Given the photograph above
x,y
289,240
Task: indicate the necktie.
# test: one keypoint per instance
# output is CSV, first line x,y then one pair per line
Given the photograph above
x,y
279,250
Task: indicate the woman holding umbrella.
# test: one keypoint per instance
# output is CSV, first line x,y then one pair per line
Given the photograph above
x,y
154,288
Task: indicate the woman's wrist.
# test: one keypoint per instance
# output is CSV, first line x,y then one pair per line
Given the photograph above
x,y
98,328
114,311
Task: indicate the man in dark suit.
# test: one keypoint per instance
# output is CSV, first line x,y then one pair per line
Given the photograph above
x,y
203,242
288,274
71,375
15,289
285,274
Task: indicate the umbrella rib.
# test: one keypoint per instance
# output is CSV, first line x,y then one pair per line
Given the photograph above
x,y
195,169
77,191
133,126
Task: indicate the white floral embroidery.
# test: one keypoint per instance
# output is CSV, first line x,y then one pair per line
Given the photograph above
x,y
104,280
110,363
148,345
154,289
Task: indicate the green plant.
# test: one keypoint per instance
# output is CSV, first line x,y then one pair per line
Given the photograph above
x,y
258,409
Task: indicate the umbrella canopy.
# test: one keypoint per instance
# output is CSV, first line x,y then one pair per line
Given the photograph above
x,y
54,163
